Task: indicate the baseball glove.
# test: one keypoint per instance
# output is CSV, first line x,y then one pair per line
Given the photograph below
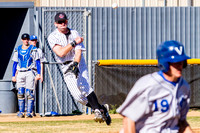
x,y
73,68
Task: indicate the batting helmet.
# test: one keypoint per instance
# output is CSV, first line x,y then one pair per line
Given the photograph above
x,y
170,52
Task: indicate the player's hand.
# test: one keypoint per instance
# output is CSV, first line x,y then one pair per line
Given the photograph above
x,y
14,79
41,78
73,68
37,77
79,40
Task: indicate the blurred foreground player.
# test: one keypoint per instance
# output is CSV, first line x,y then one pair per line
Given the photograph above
x,y
159,102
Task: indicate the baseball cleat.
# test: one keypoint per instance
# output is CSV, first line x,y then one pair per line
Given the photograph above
x,y
28,115
98,116
34,114
106,114
20,115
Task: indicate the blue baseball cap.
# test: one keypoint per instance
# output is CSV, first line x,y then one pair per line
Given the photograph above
x,y
33,37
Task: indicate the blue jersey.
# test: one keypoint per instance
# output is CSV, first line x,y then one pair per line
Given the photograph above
x,y
25,57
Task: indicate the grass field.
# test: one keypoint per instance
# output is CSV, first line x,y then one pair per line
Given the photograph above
x,y
72,124
85,126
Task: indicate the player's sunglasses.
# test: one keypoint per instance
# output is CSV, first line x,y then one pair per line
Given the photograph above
x,y
34,40
60,22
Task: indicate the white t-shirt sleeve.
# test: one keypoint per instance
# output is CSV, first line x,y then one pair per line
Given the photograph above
x,y
136,104
15,56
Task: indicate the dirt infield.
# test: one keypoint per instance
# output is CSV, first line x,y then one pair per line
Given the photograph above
x,y
193,113
13,117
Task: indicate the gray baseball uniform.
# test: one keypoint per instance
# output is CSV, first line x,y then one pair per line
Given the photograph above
x,y
156,105
25,77
42,59
41,55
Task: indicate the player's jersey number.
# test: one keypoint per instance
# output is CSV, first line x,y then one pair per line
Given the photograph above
x,y
164,105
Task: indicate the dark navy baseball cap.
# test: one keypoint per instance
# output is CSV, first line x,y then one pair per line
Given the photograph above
x,y
33,37
25,36
60,17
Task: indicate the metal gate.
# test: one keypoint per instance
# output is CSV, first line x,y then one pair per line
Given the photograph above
x,y
56,96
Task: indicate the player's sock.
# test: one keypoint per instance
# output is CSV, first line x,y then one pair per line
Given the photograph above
x,y
93,101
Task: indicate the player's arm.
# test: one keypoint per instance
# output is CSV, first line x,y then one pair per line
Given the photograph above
x,y
77,57
14,69
184,127
38,69
128,125
62,51
42,60
42,71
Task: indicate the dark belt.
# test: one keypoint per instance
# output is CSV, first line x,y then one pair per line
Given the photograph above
x,y
35,69
24,70
66,62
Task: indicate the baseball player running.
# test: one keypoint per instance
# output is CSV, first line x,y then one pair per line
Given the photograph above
x,y
24,56
159,102
67,45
